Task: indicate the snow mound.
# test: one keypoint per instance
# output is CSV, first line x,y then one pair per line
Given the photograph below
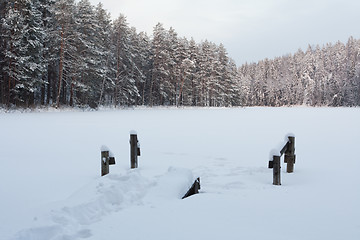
x,y
288,135
133,132
171,186
104,148
277,150
107,195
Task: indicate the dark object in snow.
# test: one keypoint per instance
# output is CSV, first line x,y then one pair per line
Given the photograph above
x,y
138,150
104,163
134,150
194,189
271,163
111,161
106,160
289,150
290,154
276,166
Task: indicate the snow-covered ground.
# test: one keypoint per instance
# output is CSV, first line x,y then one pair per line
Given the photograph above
x,y
50,184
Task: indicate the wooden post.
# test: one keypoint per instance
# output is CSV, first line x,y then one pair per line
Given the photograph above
x,y
133,150
194,189
104,162
290,155
276,170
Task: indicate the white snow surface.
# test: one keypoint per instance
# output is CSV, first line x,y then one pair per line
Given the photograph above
x,y
104,148
51,189
277,150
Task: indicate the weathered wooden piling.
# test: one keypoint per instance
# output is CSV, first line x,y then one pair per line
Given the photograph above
x,y
276,170
194,189
134,150
289,159
104,162
290,155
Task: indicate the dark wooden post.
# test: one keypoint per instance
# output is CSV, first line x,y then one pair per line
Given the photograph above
x,y
104,162
194,189
134,150
290,155
276,170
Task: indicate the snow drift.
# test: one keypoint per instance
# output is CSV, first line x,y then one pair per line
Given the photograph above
x,y
106,195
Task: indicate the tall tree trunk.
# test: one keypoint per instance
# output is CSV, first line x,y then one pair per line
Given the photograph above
x,y
60,66
72,91
182,79
143,94
42,98
151,93
151,97
2,93
103,82
49,87
9,79
102,90
8,90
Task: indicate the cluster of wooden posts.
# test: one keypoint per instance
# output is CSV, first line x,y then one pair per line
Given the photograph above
x,y
288,149
107,160
289,159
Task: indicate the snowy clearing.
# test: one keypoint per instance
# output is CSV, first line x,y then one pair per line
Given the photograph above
x,y
51,189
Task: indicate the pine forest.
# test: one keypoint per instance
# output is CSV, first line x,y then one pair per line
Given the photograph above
x,y
66,53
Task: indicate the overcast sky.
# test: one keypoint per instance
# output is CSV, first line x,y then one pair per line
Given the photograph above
x,y
251,30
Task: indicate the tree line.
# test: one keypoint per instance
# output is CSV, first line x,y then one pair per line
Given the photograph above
x,y
67,53
320,76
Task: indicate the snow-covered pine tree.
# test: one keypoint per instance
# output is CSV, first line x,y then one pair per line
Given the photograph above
x,y
142,59
299,83
205,61
125,85
32,43
335,94
170,83
320,76
215,81
66,38
233,94
160,67
289,73
185,71
23,64
3,90
351,88
225,84
87,78
50,52
11,26
244,85
106,51
194,91
229,94
139,64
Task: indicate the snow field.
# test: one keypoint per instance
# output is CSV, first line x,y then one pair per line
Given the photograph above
x,y
51,186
